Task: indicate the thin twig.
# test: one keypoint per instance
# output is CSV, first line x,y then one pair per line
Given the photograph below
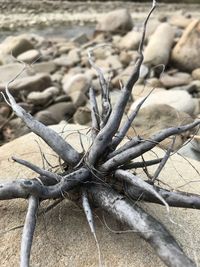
x,y
94,114
89,216
37,169
141,164
105,136
173,198
122,133
147,145
164,160
28,231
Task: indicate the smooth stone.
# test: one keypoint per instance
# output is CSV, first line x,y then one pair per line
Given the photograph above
x,y
154,118
159,46
13,45
44,67
196,142
125,74
69,60
78,98
196,74
41,98
186,54
114,21
46,117
18,128
125,57
188,150
29,56
80,39
37,82
180,100
180,21
82,116
141,90
78,82
9,71
62,111
130,41
190,88
176,79
66,225
5,110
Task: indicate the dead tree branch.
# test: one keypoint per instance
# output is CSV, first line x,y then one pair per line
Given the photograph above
x,y
149,228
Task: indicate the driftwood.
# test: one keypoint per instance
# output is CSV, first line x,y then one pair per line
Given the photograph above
x,y
103,163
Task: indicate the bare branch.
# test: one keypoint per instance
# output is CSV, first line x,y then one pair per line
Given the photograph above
x,y
136,181
147,145
38,170
122,133
148,227
28,231
173,198
106,106
53,139
94,114
105,136
141,164
22,188
89,216
164,160
131,143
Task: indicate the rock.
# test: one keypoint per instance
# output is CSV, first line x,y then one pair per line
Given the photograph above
x,y
141,90
56,113
41,98
65,47
9,71
130,41
78,98
196,74
154,118
180,21
38,82
190,88
159,46
77,82
46,117
81,39
189,151
62,98
13,45
114,62
154,82
5,110
196,142
125,57
82,116
180,100
134,251
18,128
186,53
125,74
29,56
69,60
44,67
117,20
176,79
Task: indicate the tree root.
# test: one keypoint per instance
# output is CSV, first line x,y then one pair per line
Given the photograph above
x,y
95,172
149,228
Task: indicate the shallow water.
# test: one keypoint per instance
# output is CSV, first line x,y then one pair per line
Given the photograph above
x,y
66,31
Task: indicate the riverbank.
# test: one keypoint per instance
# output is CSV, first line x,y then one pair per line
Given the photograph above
x,y
28,14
